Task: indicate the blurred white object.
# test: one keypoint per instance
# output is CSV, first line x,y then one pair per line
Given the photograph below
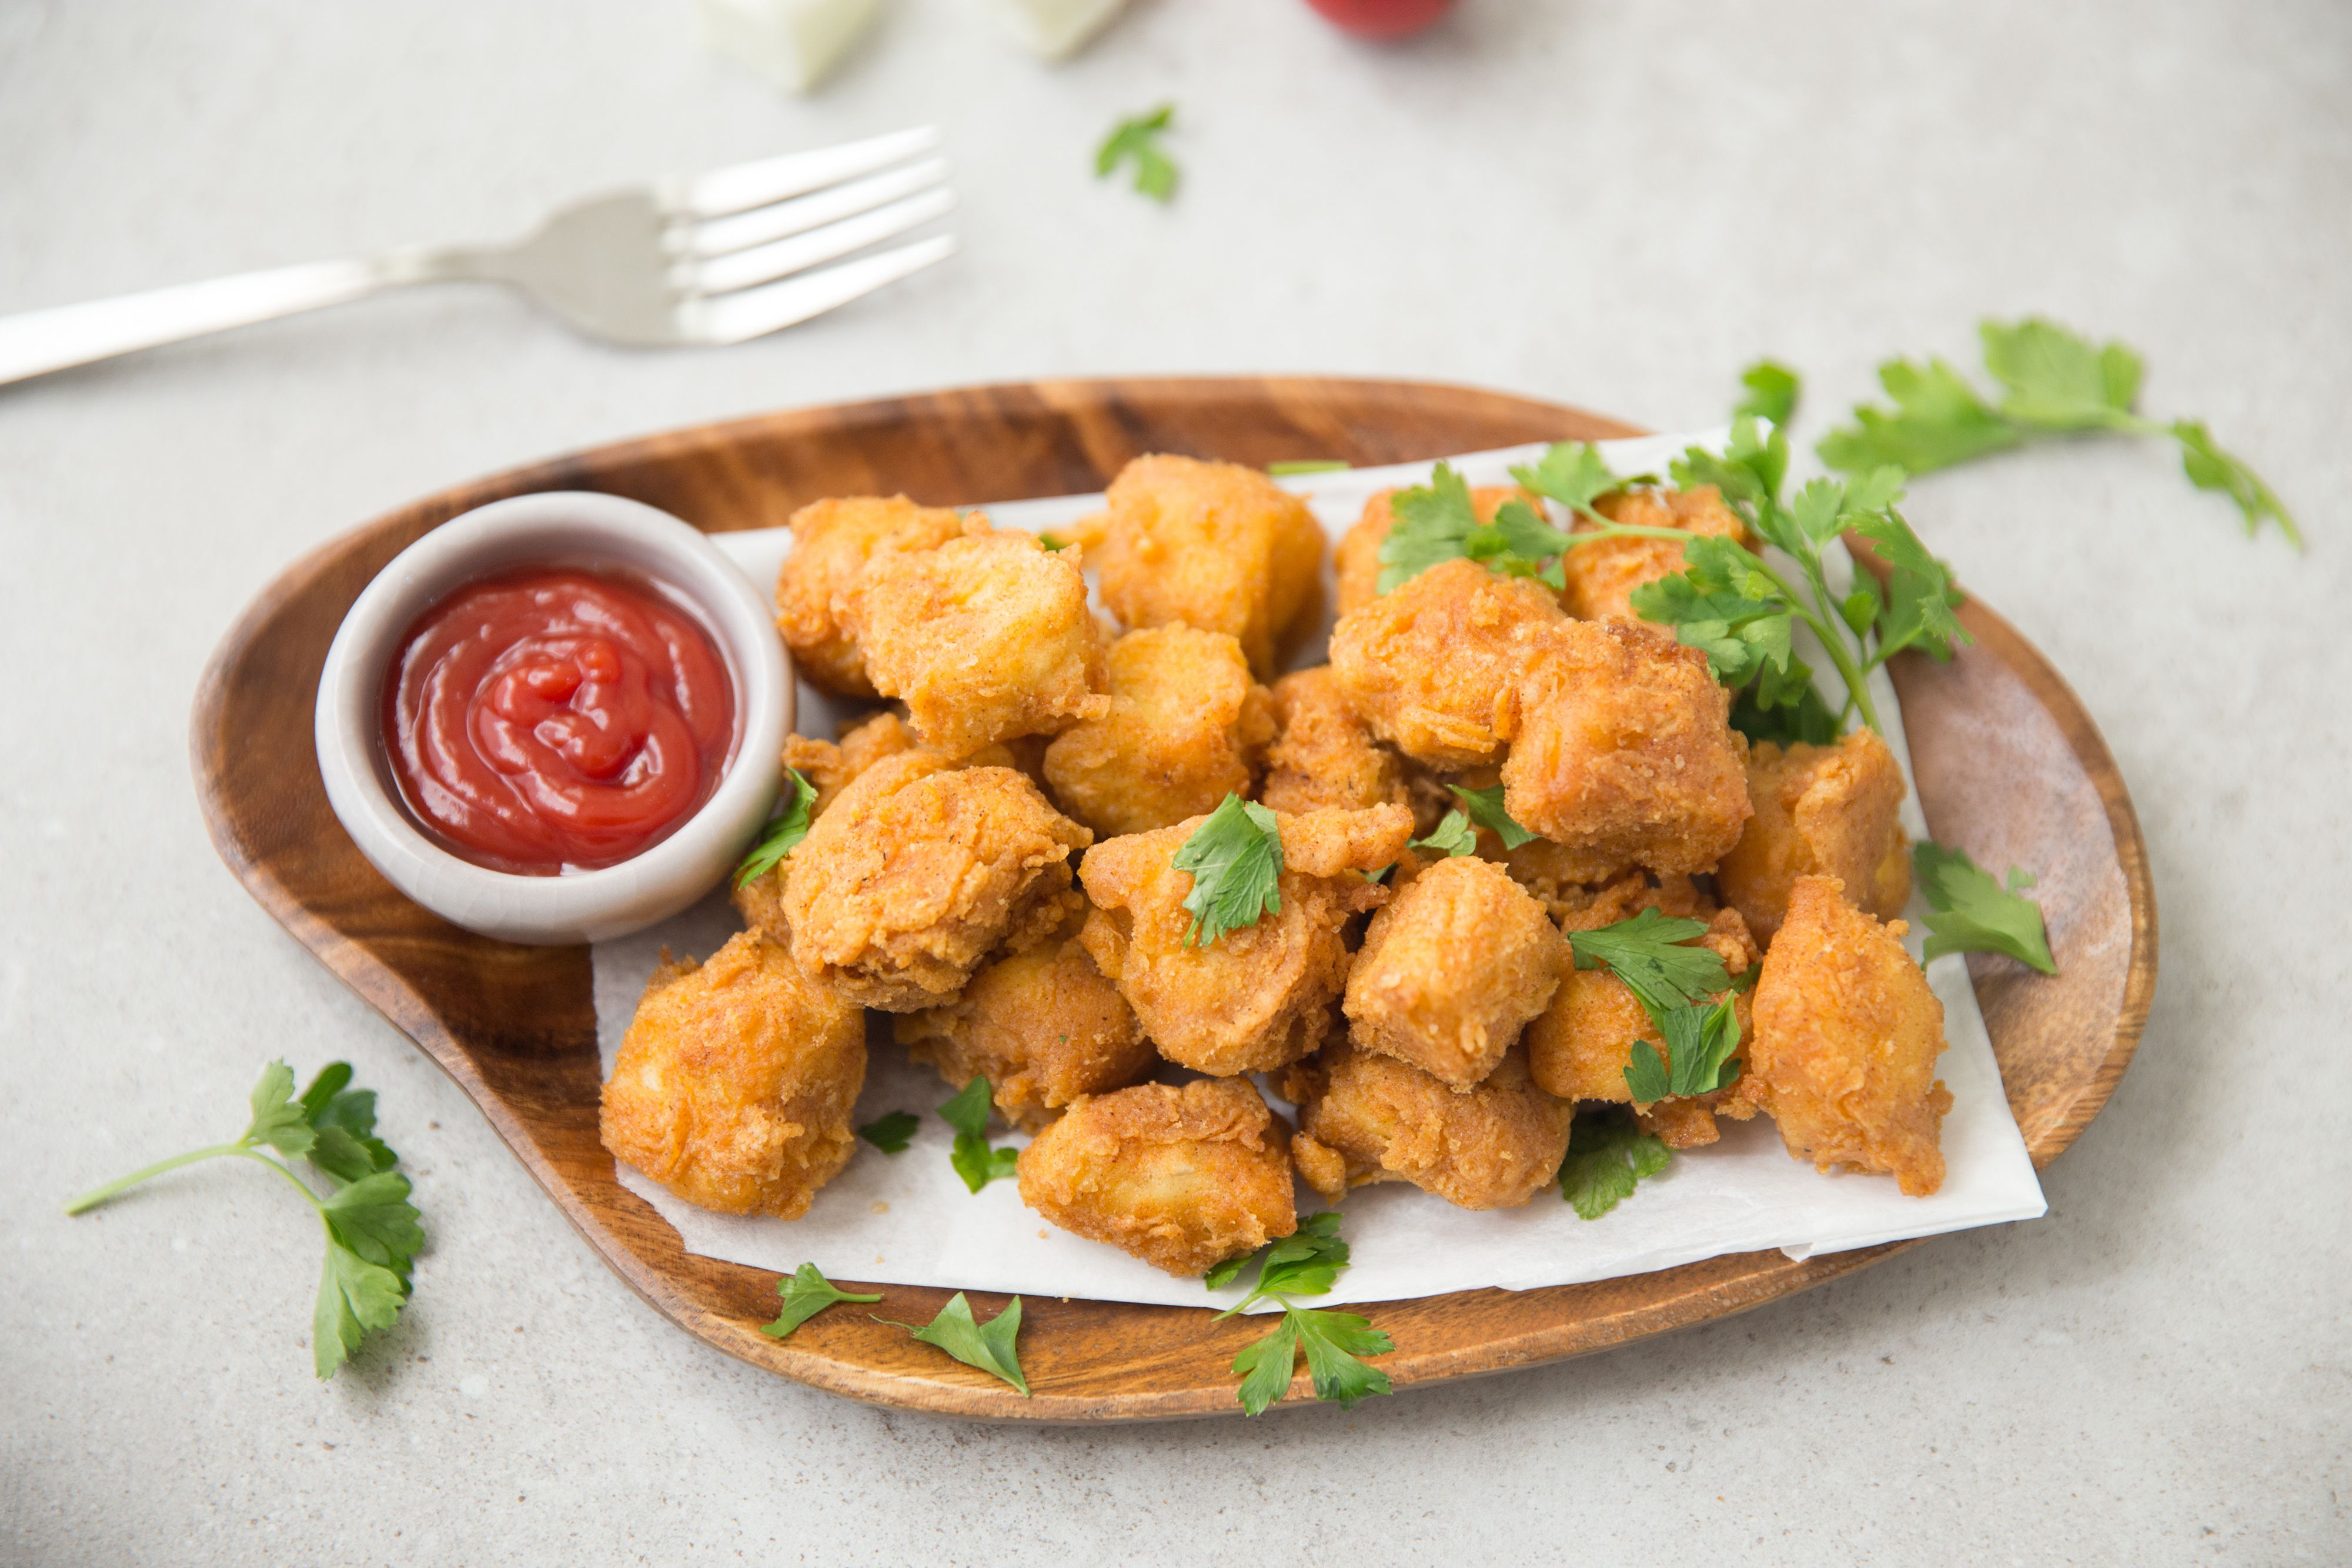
x,y
1055,29
793,42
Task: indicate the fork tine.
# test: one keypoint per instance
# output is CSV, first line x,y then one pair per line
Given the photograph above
x,y
740,231
754,312
741,186
781,259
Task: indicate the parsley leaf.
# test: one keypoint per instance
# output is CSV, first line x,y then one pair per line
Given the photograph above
x,y
1452,836
807,1293
1700,1044
972,1158
2054,382
1235,859
1608,1153
1968,912
1648,953
1306,465
1486,809
1304,1263
784,830
1136,139
989,1346
370,1228
891,1134
1572,473
1432,525
1772,391
1807,719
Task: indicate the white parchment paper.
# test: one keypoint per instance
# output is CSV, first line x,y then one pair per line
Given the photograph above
x,y
908,1220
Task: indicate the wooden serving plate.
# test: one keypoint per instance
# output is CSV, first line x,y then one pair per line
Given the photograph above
x,y
2009,765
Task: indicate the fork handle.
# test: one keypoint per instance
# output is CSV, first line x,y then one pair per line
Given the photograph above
x,y
38,341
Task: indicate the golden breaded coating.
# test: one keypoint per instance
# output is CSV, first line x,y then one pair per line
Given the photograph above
x,y
1323,755
984,637
1359,556
1042,1027
1847,1034
918,872
1180,1177
734,1084
1820,810
1625,752
1259,997
1435,667
1186,728
1602,575
1580,1048
1451,971
833,540
1215,547
1494,1146
830,767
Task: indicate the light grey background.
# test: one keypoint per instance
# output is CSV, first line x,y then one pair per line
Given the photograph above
x,y
1615,204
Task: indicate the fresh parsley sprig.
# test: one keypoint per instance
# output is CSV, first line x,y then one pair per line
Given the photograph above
x,y
1968,912
989,1346
2055,382
1486,809
1235,861
1438,522
1304,1263
1674,984
783,832
371,1230
807,1293
1452,836
973,1160
892,1132
1608,1155
1136,139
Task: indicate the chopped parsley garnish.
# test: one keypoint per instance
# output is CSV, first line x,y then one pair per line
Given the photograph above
x,y
1700,1044
1452,836
1304,1263
1968,912
1137,139
1235,859
784,830
989,1346
2054,382
807,1293
1486,809
1608,1153
1672,981
972,1158
372,1231
891,1134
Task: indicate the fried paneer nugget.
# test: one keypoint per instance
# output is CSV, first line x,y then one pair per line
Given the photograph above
x,y
1603,575
1624,752
1359,556
984,638
1323,755
1435,667
1847,1034
734,1084
1452,969
917,871
1215,547
1259,997
1042,1027
1580,1048
1187,726
1180,1177
1820,810
833,540
1366,1118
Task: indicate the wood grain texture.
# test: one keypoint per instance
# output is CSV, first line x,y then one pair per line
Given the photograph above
x,y
2009,766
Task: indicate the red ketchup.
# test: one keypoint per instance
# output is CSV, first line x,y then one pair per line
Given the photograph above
x,y
551,718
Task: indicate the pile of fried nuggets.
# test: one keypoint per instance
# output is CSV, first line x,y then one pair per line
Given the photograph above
x,y
1430,1025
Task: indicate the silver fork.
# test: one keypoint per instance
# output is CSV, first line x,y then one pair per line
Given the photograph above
x,y
699,259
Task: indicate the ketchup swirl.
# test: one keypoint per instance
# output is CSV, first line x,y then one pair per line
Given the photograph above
x,y
546,719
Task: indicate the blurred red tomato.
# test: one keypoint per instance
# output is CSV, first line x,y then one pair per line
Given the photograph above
x,y
1382,18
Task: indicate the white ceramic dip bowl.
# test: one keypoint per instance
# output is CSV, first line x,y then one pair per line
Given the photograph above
x,y
559,527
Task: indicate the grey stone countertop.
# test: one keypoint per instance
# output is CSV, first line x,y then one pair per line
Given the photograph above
x,y
1612,203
